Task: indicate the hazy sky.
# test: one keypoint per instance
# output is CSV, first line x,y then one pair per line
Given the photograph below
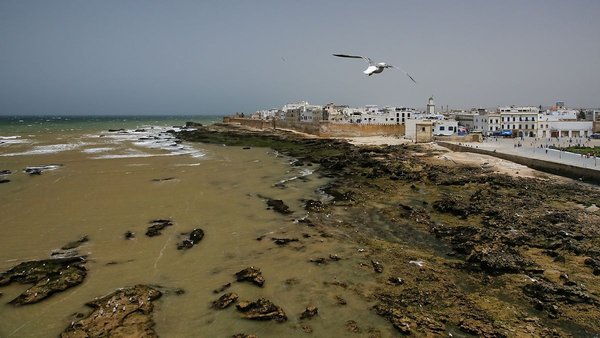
x,y
219,57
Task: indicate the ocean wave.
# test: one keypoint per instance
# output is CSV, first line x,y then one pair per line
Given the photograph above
x,y
48,149
97,150
154,137
7,140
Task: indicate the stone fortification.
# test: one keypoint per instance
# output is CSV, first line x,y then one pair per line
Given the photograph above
x,y
325,129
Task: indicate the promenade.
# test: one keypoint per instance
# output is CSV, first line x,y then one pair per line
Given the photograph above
x,y
537,148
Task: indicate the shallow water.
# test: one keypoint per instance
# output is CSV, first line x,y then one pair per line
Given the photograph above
x,y
110,183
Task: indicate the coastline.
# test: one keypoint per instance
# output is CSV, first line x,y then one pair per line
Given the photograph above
x,y
451,243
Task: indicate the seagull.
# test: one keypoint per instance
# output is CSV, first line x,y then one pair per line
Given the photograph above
x,y
374,68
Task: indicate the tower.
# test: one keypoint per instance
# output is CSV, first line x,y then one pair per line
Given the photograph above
x,y
430,106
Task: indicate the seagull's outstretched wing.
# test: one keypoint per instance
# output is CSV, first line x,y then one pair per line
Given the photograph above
x,y
413,80
371,63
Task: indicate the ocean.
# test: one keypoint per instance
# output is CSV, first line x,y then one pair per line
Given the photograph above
x,y
102,177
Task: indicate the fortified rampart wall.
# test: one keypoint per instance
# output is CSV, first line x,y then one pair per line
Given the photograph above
x,y
325,129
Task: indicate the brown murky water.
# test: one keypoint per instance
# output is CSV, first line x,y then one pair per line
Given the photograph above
x,y
219,192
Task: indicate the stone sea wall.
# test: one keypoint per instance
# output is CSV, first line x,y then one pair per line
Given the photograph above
x,y
323,128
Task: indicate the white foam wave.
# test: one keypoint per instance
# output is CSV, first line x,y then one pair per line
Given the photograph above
x,y
47,149
154,138
6,140
96,150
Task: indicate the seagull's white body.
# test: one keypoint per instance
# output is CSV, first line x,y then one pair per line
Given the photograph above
x,y
374,68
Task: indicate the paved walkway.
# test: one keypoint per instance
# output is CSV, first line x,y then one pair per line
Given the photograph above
x,y
538,148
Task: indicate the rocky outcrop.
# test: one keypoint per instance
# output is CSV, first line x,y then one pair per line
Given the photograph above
x,y
123,313
261,309
156,227
194,237
250,274
278,206
48,276
225,300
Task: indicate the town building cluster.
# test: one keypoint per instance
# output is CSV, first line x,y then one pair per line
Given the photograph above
x,y
509,121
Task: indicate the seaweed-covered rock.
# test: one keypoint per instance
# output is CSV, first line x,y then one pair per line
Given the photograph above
x,y
283,241
156,226
261,309
278,206
309,312
498,259
123,313
48,276
250,274
194,237
377,267
225,300
594,264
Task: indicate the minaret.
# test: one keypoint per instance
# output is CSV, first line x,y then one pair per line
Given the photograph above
x,y
430,106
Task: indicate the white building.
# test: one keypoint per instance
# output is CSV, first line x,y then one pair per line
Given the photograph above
x,y
302,111
466,119
445,127
521,120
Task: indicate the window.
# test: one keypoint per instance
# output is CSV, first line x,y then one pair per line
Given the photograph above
x,y
450,128
442,128
423,129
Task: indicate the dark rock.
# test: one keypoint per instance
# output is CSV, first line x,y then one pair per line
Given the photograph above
x,y
75,244
156,226
163,179
33,171
283,241
453,206
4,180
261,309
395,281
129,235
243,335
246,148
47,276
194,237
334,257
378,267
545,295
125,312
309,312
250,274
498,259
222,288
5,172
116,130
225,300
318,260
594,264
278,206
